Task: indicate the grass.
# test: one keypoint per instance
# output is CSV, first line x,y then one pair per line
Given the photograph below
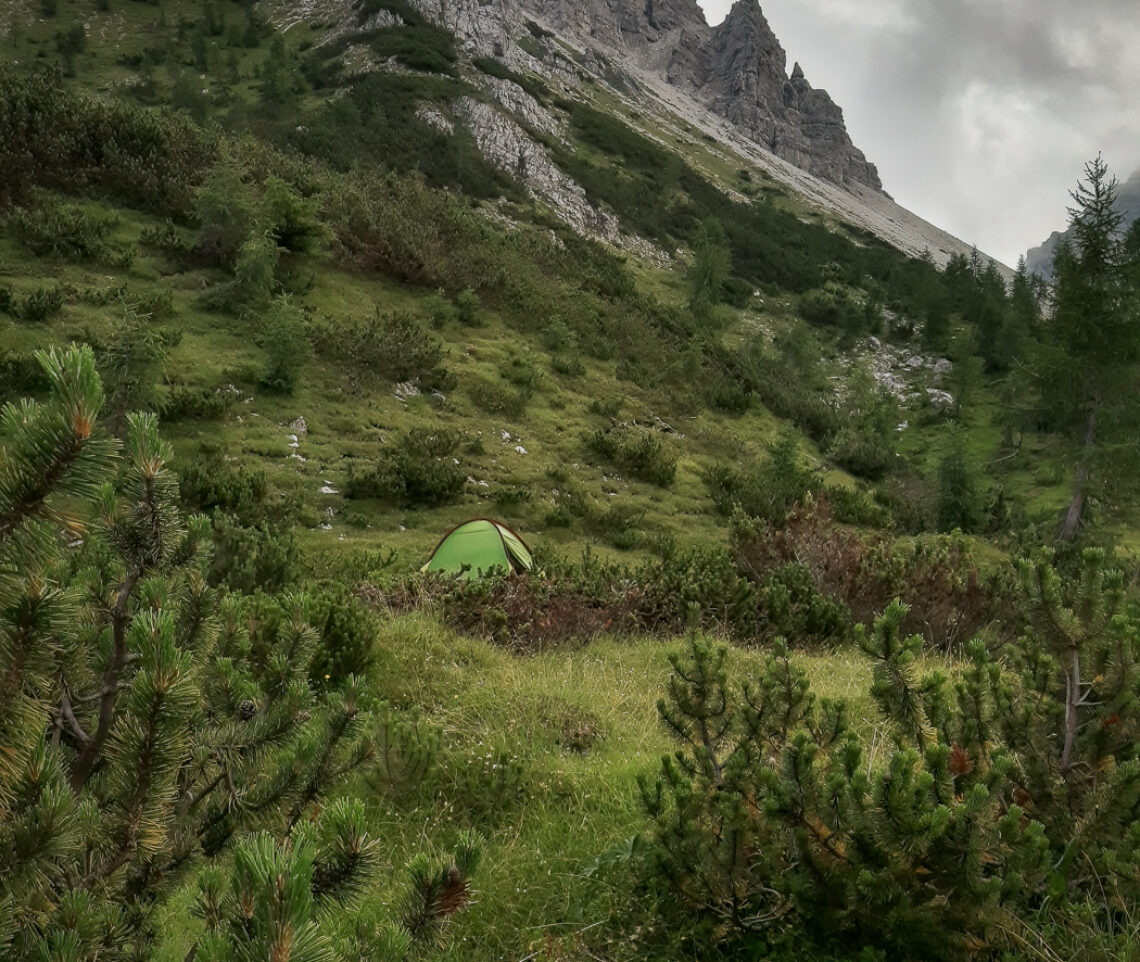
x,y
572,805
577,724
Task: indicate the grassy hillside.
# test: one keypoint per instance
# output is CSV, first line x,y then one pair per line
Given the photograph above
x,y
357,332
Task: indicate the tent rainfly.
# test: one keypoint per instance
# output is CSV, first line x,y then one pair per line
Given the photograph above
x,y
478,546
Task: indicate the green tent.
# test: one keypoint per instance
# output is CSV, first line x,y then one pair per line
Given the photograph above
x,y
482,545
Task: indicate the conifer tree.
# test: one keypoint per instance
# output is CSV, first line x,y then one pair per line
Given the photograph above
x,y
141,729
1085,366
1016,781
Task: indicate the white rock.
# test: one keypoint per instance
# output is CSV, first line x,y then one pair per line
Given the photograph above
x,y
520,449
329,489
940,399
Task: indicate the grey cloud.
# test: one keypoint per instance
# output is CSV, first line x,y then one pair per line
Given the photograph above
x,y
979,113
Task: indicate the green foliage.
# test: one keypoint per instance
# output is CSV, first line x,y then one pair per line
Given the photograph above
x,y
135,709
209,481
418,469
285,340
36,306
130,363
866,440
959,491
348,633
1085,364
638,451
712,263
390,345
767,814
184,403
938,577
496,398
51,138
225,207
765,491
254,557
67,232
794,608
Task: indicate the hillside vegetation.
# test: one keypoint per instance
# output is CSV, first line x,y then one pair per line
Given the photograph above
x,y
311,328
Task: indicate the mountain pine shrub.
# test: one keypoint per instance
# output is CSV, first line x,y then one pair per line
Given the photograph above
x,y
1012,786
144,727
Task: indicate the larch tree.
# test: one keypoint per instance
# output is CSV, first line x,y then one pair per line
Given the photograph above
x,y
1092,339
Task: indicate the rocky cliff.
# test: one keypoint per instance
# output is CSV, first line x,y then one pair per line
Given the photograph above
x,y
738,69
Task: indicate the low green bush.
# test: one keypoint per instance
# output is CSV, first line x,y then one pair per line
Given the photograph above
x,y
638,451
38,305
248,559
417,470
209,481
348,631
393,346
69,233
495,398
184,403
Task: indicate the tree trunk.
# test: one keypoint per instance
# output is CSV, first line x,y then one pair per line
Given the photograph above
x,y
1072,702
1073,515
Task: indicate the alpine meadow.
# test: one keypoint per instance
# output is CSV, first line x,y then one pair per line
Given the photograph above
x,y
500,481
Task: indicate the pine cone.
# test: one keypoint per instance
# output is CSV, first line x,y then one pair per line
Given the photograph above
x,y
246,710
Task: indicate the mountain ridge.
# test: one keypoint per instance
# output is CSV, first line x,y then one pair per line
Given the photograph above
x,y
646,56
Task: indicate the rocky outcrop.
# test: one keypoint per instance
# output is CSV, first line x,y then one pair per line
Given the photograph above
x,y
737,70
508,146
747,82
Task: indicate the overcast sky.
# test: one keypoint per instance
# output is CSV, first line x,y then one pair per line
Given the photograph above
x,y
979,113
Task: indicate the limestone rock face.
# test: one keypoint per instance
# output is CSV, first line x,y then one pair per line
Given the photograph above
x,y
737,69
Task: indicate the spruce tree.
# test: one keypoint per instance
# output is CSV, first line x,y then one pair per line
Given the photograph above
x,y
1085,366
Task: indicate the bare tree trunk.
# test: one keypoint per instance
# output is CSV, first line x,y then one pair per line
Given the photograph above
x,y
1073,515
1072,702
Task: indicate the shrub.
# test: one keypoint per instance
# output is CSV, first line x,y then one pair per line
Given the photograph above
x,y
866,441
793,607
38,305
959,494
20,375
67,232
130,361
769,818
348,631
636,450
417,470
184,403
936,576
497,398
765,491
568,365
469,308
392,345
285,341
52,138
209,481
261,557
